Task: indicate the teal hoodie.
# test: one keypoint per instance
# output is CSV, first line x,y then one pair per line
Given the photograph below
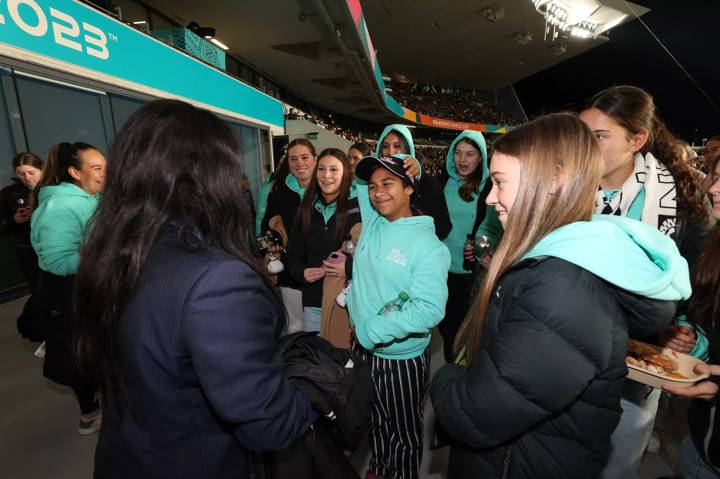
x,y
400,129
625,252
462,213
58,226
262,204
391,257
294,185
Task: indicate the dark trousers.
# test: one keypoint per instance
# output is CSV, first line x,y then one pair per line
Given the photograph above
x,y
31,322
396,424
460,289
56,294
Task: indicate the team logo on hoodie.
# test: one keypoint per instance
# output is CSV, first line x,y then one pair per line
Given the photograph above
x,y
397,257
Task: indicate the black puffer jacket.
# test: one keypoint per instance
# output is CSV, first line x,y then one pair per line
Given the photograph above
x,y
703,416
543,397
309,251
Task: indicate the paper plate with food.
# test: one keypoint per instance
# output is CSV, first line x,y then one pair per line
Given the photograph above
x,y
656,366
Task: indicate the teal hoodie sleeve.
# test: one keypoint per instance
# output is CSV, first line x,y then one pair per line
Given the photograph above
x,y
262,206
367,212
701,348
56,237
425,309
491,227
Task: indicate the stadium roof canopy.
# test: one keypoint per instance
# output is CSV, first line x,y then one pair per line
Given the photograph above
x,y
314,49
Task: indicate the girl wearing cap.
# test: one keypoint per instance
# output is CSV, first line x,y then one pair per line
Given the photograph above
x,y
398,256
325,216
547,334
429,199
466,187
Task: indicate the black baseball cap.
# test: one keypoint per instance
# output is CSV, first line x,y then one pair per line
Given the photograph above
x,y
394,164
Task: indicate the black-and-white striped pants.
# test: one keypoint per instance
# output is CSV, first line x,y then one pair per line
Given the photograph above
x,y
396,424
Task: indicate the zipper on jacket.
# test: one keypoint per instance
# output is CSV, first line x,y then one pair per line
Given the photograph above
x,y
506,463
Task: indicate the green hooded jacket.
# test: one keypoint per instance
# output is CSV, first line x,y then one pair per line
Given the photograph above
x,y
58,226
624,252
463,213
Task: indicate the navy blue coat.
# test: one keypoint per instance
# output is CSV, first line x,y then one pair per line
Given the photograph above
x,y
199,344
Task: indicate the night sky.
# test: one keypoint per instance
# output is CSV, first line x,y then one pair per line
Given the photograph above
x,y
689,29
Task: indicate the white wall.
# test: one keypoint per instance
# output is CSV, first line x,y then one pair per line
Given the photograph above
x,y
325,139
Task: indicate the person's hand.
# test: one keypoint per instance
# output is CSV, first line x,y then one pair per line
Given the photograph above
x,y
334,270
276,223
702,390
678,338
22,215
412,166
313,274
485,260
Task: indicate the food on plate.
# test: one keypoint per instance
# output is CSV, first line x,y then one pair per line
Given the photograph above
x,y
662,361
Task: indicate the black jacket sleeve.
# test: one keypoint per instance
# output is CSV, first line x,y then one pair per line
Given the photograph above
x,y
7,212
270,211
229,332
295,258
431,201
537,363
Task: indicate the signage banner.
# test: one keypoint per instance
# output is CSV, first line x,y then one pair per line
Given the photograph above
x,y
76,34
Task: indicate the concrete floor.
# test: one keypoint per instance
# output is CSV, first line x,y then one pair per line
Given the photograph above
x,y
38,419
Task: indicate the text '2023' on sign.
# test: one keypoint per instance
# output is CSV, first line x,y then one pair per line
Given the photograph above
x,y
66,30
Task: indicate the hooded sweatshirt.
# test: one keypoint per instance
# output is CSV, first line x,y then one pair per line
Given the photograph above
x,y
464,214
58,226
392,257
627,253
429,197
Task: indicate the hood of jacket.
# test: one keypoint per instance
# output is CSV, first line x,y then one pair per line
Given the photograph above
x,y
63,190
402,130
627,253
477,138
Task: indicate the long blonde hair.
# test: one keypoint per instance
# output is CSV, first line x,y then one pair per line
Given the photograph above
x,y
555,151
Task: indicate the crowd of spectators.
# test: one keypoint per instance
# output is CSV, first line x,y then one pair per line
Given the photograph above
x,y
330,124
450,104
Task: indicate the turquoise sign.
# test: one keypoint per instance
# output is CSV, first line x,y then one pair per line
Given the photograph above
x,y
74,33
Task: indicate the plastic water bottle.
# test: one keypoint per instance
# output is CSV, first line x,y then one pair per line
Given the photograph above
x,y
469,261
396,304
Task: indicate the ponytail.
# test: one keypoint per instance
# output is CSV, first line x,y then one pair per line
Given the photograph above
x,y
57,167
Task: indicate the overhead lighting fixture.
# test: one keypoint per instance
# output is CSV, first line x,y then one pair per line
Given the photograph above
x,y
140,22
577,18
220,44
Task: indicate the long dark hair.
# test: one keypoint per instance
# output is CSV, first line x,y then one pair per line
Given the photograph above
x,y
313,193
57,167
170,161
362,147
471,185
704,305
634,109
278,176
